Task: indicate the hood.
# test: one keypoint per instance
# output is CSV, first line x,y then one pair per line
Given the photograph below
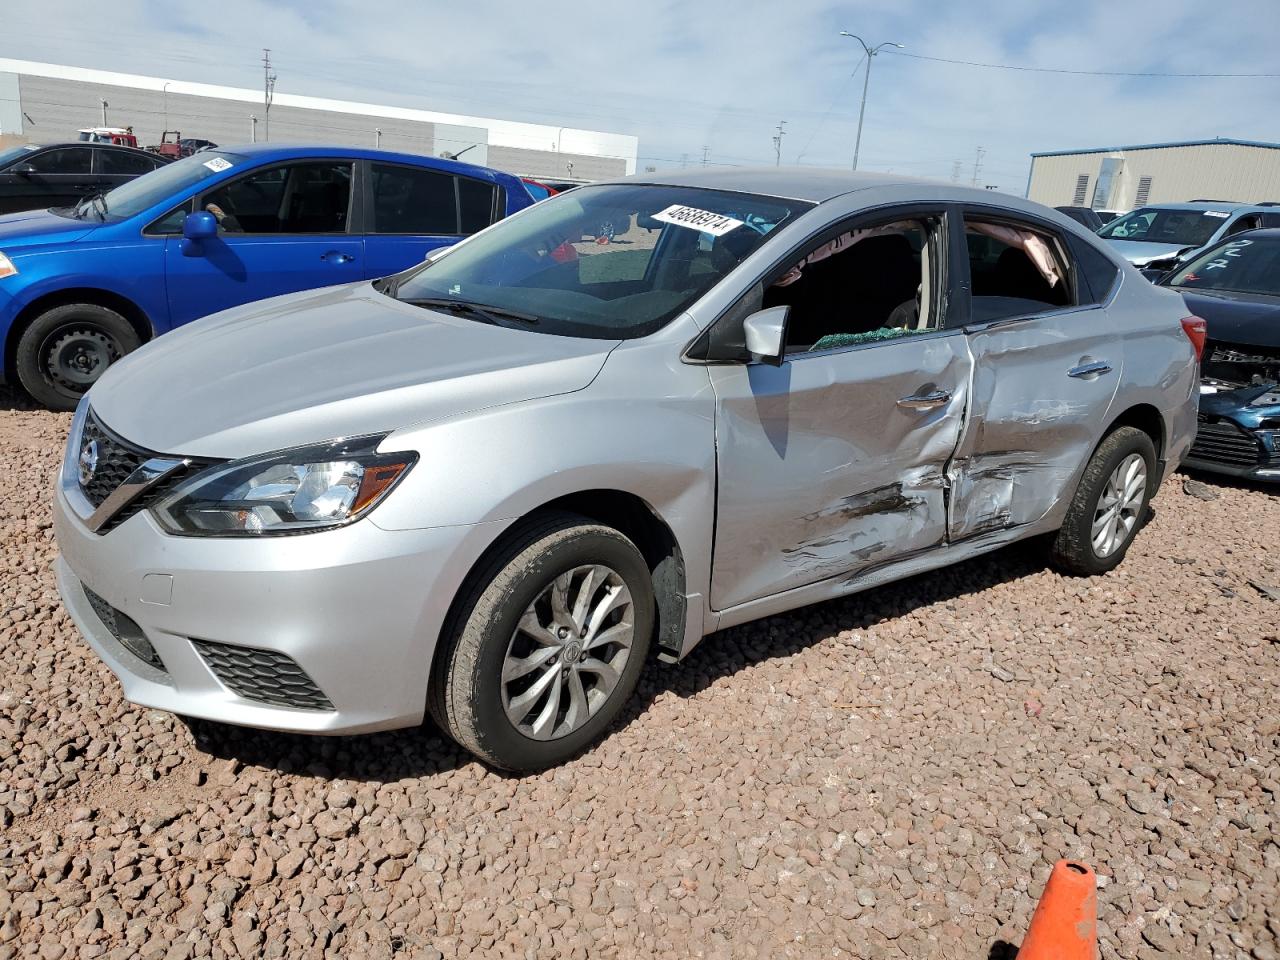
x,y
339,362
1140,252
34,227
1240,318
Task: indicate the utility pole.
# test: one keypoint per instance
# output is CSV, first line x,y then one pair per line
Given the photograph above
x,y
866,82
777,144
268,92
706,152
955,171
684,160
977,164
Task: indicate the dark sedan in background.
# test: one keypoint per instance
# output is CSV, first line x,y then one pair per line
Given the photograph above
x,y
35,177
1235,287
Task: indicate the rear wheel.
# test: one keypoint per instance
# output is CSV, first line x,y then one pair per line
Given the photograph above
x,y
1110,504
63,352
548,646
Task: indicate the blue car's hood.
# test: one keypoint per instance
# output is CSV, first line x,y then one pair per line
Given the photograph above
x,y
37,227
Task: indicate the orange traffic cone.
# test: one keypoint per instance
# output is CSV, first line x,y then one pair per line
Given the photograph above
x,y
1065,924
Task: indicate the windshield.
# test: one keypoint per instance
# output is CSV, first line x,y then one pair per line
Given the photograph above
x,y
610,262
13,153
160,185
1183,228
1241,266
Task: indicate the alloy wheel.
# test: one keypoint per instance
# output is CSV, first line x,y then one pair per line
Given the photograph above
x,y
1116,514
568,652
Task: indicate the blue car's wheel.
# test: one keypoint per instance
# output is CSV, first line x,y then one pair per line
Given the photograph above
x,y
63,352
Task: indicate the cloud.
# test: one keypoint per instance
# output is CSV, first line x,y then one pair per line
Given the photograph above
x,y
722,73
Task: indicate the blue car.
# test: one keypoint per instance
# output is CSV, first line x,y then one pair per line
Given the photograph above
x,y
82,286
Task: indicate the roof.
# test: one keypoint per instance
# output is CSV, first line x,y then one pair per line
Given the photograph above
x,y
793,183
291,151
1216,142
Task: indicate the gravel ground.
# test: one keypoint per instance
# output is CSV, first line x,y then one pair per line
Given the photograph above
x,y
890,775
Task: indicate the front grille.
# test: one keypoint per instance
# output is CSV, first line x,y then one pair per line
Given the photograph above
x,y
127,633
1221,441
117,460
262,675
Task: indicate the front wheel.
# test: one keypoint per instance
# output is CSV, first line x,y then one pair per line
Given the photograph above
x,y
548,646
63,352
1109,506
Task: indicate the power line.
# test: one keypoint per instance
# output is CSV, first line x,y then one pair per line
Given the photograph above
x,y
1086,73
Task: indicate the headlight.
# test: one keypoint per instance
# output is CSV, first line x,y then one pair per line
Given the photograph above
x,y
7,269
293,491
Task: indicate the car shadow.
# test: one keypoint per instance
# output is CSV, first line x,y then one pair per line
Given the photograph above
x,y
424,751
12,398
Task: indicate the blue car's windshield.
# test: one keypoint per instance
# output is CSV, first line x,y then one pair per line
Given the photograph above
x,y
146,191
13,153
1240,266
615,261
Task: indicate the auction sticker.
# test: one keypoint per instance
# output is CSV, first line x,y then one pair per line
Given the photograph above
x,y
217,164
716,224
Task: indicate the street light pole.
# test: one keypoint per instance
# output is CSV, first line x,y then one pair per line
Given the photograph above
x,y
164,93
866,82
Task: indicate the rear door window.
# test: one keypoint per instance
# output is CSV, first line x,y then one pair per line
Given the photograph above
x,y
475,204
1015,270
413,200
124,163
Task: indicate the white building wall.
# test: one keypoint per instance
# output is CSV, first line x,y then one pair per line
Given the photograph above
x,y
295,117
1214,171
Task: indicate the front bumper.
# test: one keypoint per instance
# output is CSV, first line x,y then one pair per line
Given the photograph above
x,y
1224,446
357,609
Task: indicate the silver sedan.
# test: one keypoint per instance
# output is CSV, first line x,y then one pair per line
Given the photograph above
x,y
493,487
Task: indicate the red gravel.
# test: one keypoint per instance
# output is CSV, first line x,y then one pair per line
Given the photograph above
x,y
890,775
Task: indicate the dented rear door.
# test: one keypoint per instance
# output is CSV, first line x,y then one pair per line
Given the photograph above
x,y
833,462
1042,388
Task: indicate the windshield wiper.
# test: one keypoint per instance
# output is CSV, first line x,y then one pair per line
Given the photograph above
x,y
482,310
97,201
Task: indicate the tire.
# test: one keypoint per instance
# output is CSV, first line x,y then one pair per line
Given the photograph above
x,y
63,352
469,698
1079,547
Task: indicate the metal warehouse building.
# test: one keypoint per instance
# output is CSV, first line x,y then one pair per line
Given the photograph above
x,y
45,103
1123,178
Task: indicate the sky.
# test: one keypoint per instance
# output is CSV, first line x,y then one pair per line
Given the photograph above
x,y
713,78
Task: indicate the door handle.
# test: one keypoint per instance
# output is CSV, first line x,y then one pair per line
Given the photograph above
x,y
925,401
1090,371
333,256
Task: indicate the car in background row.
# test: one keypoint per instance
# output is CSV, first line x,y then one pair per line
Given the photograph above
x,y
537,189
81,286
1235,287
1160,237
496,484
1087,217
35,177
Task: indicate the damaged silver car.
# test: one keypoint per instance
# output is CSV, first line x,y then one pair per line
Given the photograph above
x,y
492,487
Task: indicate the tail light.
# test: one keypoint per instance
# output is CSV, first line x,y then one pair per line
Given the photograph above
x,y
1194,328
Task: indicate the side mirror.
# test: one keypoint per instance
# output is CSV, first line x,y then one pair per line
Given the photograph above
x,y
23,169
196,228
766,332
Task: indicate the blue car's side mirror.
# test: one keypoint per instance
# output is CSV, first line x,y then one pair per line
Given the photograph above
x,y
197,227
